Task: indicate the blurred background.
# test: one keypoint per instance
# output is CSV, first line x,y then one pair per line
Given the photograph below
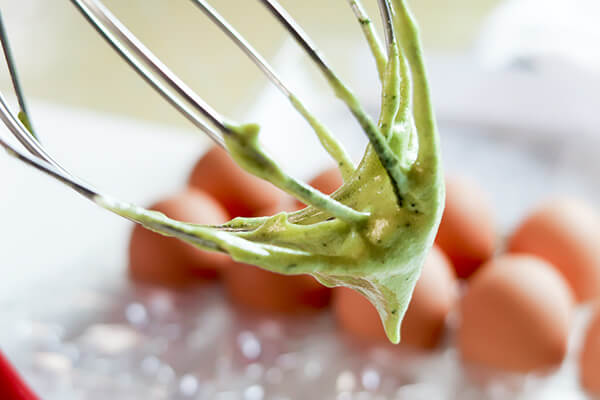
x,y
61,59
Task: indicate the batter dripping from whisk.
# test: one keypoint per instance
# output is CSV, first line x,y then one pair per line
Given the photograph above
x,y
374,232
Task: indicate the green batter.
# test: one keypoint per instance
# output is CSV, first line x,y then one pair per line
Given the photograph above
x,y
374,233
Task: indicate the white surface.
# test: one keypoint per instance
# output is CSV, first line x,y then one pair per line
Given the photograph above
x,y
47,227
544,29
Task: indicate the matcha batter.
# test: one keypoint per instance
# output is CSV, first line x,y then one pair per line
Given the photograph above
x,y
373,233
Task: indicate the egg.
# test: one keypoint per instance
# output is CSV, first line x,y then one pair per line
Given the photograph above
x,y
467,231
566,232
424,322
167,261
328,181
241,193
257,289
589,359
515,315
286,203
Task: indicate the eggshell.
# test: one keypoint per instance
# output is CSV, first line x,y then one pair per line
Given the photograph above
x,y
423,324
328,181
287,203
467,231
241,193
566,232
589,359
515,315
162,260
260,290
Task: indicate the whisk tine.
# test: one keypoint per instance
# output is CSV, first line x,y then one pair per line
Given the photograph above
x,y
330,143
152,69
40,159
242,44
51,170
297,32
23,136
376,138
10,63
388,26
370,35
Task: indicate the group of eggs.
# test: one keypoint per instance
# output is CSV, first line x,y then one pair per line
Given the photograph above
x,y
514,306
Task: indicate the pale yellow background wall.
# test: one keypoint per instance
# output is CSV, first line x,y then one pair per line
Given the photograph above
x,y
62,59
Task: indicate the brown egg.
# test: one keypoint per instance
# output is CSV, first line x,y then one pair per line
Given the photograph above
x,y
161,260
515,315
424,322
565,232
467,233
241,193
589,360
287,203
260,290
327,181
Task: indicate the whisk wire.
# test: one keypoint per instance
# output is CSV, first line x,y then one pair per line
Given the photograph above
x,y
51,170
329,142
39,159
151,69
370,35
21,133
243,44
127,45
298,33
16,83
382,148
388,25
109,28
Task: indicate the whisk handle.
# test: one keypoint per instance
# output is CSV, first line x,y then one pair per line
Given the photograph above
x,y
12,386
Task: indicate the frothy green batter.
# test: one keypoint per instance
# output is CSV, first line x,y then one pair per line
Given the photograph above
x,y
374,233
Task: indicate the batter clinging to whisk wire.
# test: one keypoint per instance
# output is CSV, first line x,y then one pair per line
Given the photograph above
x,y
372,234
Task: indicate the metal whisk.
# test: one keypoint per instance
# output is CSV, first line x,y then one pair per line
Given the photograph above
x,y
178,94
343,239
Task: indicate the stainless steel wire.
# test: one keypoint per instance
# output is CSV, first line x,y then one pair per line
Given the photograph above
x,y
388,25
243,44
158,76
297,33
14,76
152,70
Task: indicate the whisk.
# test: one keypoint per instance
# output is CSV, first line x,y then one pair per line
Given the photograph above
x,y
372,234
